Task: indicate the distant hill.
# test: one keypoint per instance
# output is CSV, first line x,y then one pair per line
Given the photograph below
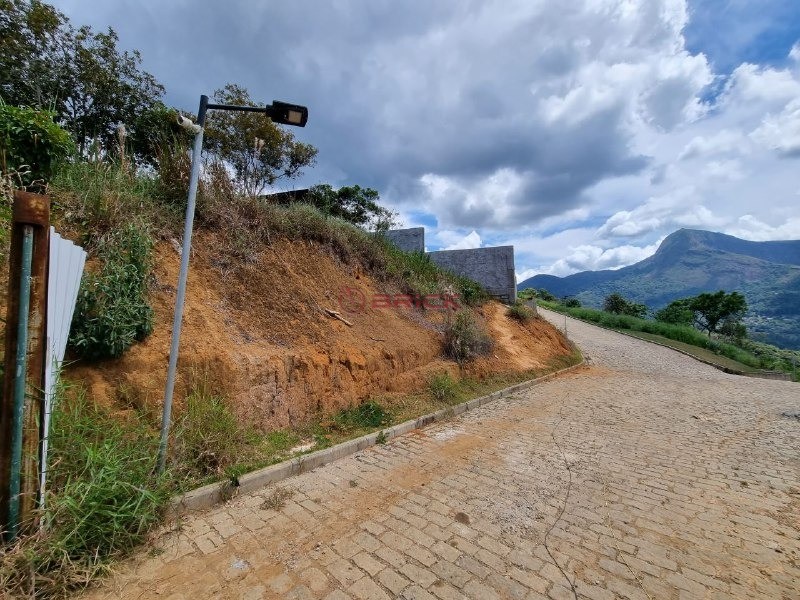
x,y
691,261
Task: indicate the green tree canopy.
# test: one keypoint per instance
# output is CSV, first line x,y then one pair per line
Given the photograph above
x,y
354,204
677,312
712,310
616,303
259,151
30,145
81,76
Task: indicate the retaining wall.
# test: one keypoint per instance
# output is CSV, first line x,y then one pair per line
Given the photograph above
x,y
408,240
493,268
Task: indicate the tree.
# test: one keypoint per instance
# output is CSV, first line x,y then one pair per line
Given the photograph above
x,y
712,310
106,88
354,204
526,294
571,302
617,304
81,76
677,312
259,151
546,295
34,53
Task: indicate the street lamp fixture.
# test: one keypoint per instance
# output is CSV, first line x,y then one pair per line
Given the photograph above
x,y
282,113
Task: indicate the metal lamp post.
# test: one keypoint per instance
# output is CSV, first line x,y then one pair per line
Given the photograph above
x,y
280,112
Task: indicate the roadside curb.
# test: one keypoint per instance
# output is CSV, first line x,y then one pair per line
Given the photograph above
x,y
774,375
216,493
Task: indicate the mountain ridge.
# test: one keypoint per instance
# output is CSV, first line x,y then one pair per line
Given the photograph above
x,y
691,261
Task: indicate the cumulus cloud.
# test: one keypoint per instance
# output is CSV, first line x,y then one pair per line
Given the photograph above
x,y
471,240
794,53
781,132
594,258
750,228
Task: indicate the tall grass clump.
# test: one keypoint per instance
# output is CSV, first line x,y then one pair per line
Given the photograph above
x,y
443,387
368,415
97,197
208,439
463,337
102,501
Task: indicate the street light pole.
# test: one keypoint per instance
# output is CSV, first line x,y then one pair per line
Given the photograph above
x,y
279,112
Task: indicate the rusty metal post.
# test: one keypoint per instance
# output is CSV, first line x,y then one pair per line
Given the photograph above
x,y
30,210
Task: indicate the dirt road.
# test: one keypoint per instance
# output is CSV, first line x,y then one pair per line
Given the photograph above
x,y
645,475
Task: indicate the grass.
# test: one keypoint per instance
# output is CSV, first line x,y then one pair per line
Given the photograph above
x,y
443,387
520,312
688,339
276,498
103,500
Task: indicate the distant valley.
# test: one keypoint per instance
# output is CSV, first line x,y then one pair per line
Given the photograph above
x,y
689,262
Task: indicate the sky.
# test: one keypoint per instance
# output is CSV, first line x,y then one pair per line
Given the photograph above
x,y
581,132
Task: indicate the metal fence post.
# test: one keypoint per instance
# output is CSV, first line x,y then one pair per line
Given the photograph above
x,y
24,373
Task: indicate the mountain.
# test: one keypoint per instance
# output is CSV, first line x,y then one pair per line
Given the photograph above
x,y
691,261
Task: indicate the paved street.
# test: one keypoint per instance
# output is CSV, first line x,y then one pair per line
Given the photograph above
x,y
645,475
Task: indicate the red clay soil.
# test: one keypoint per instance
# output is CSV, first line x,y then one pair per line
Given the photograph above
x,y
262,337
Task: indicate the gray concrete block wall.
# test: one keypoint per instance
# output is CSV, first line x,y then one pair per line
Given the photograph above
x,y
408,240
493,268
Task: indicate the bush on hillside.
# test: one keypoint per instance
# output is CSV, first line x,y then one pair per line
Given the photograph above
x,y
112,311
520,312
464,339
31,145
616,304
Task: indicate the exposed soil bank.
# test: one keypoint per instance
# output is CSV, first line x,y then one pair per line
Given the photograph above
x,y
263,338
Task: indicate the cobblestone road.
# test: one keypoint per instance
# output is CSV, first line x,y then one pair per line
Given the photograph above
x,y
645,475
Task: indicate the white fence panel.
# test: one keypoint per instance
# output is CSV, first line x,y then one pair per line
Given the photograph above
x,y
64,279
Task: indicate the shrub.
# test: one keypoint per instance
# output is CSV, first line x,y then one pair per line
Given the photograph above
x,y
463,338
520,312
368,415
545,295
31,144
443,388
571,302
112,311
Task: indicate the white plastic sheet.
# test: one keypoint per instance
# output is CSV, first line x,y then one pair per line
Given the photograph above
x,y
64,279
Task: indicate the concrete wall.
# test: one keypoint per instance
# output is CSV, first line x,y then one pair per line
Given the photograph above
x,y
493,268
408,240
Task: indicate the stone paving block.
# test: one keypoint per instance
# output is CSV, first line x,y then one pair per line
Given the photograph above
x,y
344,572
366,589
366,562
418,575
